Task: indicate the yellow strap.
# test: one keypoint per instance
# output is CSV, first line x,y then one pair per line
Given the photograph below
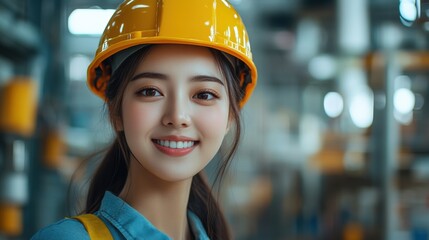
x,y
95,227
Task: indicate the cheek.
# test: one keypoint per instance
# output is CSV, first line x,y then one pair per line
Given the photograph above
x,y
214,120
137,116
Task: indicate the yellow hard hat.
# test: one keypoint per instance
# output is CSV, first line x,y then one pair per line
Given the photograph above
x,y
208,23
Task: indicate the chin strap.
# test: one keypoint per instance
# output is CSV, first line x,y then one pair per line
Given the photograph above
x,y
95,227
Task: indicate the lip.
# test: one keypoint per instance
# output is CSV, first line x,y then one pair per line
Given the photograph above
x,y
175,152
176,138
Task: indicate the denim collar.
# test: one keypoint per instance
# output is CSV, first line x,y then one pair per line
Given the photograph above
x,y
133,225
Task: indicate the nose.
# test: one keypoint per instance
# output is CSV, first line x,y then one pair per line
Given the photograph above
x,y
176,114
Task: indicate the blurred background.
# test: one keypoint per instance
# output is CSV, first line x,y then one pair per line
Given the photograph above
x,y
336,142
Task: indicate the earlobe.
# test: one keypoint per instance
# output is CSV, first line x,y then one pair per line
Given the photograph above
x,y
228,126
117,122
119,127
231,122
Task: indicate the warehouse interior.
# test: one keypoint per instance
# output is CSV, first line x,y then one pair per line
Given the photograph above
x,y
336,136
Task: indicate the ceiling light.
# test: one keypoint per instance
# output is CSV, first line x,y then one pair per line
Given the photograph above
x,y
89,21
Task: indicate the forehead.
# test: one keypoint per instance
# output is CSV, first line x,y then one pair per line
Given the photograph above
x,y
166,57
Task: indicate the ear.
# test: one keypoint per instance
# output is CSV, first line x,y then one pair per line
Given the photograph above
x,y
117,123
228,126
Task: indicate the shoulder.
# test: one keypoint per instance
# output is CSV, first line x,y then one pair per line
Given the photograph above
x,y
66,229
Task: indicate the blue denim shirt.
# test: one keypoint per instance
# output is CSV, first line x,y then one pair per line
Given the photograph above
x,y
123,221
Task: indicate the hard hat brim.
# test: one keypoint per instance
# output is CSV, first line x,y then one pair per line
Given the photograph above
x,y
110,50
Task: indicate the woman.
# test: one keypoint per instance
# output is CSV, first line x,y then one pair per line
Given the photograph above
x,y
174,83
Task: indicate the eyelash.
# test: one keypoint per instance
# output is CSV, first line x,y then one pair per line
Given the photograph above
x,y
143,93
213,94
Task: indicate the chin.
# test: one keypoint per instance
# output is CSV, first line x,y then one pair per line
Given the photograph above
x,y
173,179
176,176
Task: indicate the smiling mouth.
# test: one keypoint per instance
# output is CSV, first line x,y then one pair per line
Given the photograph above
x,y
175,144
175,148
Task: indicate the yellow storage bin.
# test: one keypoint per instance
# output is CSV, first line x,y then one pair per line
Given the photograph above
x,y
18,105
54,149
10,219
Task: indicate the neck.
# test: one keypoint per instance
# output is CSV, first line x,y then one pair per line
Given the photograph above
x,y
163,203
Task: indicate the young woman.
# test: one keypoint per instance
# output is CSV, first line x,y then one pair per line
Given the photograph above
x,y
174,75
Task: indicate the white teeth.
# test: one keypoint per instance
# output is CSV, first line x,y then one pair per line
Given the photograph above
x,y
174,144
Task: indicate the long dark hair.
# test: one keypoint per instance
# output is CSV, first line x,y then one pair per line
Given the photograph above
x,y
113,169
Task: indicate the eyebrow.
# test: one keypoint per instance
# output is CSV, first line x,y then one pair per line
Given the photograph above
x,y
205,78
150,75
160,76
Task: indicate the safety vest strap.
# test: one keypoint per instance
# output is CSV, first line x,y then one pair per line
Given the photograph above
x,y
95,227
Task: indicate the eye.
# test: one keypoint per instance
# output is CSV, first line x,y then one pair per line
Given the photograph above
x,y
149,92
206,95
